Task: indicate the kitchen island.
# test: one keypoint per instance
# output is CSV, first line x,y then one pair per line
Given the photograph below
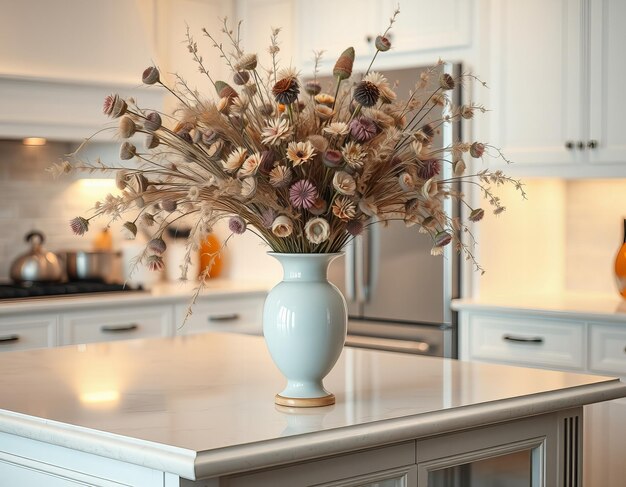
x,y
198,410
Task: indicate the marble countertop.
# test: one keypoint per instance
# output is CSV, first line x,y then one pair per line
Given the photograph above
x,y
202,405
165,292
580,306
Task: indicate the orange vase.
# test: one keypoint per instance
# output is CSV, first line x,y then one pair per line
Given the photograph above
x,y
210,256
620,266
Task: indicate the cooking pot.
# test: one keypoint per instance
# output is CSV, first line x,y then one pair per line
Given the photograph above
x,y
89,266
36,265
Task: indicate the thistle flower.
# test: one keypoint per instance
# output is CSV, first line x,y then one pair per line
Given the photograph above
x,y
317,230
302,194
224,90
382,43
237,225
343,66
387,95
127,127
152,141
446,81
234,160
466,111
428,168
363,129
247,62
150,75
282,226
336,129
250,166
241,77
332,158
477,150
127,151
312,88
276,131
355,227
155,263
344,208
286,90
477,215
157,246
325,99
114,106
79,225
344,183
152,122
366,93
129,230
300,152
319,207
280,176
354,155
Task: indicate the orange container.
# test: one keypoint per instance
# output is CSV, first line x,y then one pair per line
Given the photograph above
x,y
210,256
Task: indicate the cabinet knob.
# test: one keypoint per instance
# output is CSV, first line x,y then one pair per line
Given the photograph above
x,y
9,338
580,145
592,144
569,145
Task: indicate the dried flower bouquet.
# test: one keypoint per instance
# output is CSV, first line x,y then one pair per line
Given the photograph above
x,y
303,169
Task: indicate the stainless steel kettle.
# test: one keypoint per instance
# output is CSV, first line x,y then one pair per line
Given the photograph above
x,y
37,265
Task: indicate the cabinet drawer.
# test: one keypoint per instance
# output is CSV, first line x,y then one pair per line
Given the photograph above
x,y
103,325
224,314
608,348
527,341
24,332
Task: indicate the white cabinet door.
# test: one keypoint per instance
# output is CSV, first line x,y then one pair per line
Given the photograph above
x,y
535,82
607,351
231,314
607,71
123,323
25,332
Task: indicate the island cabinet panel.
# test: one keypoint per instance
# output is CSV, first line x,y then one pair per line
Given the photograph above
x,y
537,342
607,348
124,323
392,466
229,314
25,332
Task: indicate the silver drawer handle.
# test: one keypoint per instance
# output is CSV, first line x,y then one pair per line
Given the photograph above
x,y
119,328
226,317
517,339
9,338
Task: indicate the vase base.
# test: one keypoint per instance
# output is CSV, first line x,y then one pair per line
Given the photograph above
x,y
305,402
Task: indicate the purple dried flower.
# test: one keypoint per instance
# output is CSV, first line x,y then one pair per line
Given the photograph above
x,y
312,88
153,122
237,225
155,263
363,129
428,168
442,239
157,246
79,225
150,75
114,106
302,194
332,158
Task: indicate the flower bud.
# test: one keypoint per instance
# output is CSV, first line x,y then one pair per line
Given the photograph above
x,y
150,75
382,43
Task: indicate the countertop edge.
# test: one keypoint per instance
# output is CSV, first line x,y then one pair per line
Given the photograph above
x,y
148,454
281,451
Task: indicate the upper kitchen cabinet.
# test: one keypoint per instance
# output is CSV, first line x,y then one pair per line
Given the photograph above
x,y
554,69
423,31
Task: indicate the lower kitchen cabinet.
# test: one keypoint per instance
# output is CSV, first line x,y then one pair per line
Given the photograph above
x,y
102,325
24,332
232,314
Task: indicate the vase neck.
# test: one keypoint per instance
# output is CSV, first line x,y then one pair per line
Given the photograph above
x,y
304,267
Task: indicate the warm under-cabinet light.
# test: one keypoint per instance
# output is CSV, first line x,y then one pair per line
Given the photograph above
x,y
99,396
33,141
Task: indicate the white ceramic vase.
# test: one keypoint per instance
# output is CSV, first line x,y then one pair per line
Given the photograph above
x,y
304,323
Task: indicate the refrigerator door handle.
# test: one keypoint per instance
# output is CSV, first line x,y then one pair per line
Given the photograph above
x,y
350,272
373,258
359,270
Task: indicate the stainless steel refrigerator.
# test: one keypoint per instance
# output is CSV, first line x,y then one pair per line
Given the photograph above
x,y
398,294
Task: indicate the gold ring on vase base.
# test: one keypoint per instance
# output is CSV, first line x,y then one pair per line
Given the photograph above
x,y
305,402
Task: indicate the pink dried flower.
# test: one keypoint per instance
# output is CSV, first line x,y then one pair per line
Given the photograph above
x,y
302,194
237,225
79,225
363,129
150,75
157,246
332,158
442,238
155,263
428,168
114,106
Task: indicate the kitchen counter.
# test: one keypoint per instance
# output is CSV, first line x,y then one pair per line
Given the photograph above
x,y
165,292
580,306
202,406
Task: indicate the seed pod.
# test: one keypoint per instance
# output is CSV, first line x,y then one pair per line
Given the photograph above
x,y
224,90
446,81
152,141
241,77
382,43
343,66
153,122
150,75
